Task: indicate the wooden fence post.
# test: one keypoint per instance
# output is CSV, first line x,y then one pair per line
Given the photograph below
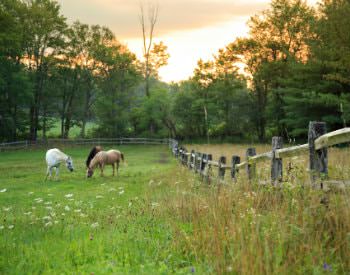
x,y
190,162
207,172
276,163
202,164
198,161
221,170
184,160
250,168
318,158
234,171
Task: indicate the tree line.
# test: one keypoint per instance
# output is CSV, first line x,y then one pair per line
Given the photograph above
x,y
296,62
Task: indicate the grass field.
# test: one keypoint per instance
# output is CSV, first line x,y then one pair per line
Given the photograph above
x,y
157,217
74,132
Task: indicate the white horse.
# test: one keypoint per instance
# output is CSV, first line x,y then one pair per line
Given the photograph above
x,y
54,157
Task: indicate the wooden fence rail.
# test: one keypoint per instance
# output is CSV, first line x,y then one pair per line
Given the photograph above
x,y
318,142
92,141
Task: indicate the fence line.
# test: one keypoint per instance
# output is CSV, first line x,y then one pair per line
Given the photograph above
x,y
92,141
318,142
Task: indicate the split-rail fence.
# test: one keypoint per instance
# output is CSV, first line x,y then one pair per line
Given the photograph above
x,y
318,142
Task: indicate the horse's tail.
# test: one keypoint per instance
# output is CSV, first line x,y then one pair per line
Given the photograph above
x,y
92,154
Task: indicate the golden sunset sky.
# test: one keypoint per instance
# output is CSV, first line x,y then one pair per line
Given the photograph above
x,y
192,29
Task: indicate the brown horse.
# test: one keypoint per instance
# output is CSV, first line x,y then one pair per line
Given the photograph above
x,y
102,158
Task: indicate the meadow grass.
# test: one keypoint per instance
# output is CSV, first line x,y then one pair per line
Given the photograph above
x,y
246,228
102,225
157,217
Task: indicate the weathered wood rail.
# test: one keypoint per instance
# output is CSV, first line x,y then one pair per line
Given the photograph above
x,y
26,144
318,142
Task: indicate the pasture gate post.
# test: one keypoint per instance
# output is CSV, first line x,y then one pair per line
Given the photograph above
x,y
251,167
276,163
318,158
221,169
235,160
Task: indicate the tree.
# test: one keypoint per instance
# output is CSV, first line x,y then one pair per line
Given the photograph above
x,y
15,82
155,55
278,35
44,36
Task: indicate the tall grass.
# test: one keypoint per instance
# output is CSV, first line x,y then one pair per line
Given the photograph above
x,y
246,228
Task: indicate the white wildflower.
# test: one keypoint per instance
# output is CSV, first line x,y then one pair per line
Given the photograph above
x,y
94,225
77,210
112,189
30,193
121,192
6,209
47,218
56,222
155,204
38,200
67,208
99,197
27,213
48,207
3,190
83,215
11,226
2,227
69,195
48,224
48,203
130,204
53,214
63,214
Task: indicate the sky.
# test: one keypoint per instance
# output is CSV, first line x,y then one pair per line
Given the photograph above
x,y
192,29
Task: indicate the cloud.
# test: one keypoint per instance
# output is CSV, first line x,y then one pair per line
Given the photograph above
x,y
122,16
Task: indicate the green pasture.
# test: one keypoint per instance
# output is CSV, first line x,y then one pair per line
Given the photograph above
x,y
102,225
158,217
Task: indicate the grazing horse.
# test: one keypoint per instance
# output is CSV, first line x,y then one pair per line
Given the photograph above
x,y
54,157
102,158
92,153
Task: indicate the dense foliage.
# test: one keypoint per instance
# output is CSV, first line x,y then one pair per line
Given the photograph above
x,y
296,69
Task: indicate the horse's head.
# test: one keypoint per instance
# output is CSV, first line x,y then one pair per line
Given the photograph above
x,y
89,172
69,164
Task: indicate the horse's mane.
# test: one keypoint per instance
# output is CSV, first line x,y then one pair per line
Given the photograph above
x,y
92,153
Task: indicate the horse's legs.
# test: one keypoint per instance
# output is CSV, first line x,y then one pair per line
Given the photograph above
x,y
57,172
48,172
117,167
101,167
113,166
